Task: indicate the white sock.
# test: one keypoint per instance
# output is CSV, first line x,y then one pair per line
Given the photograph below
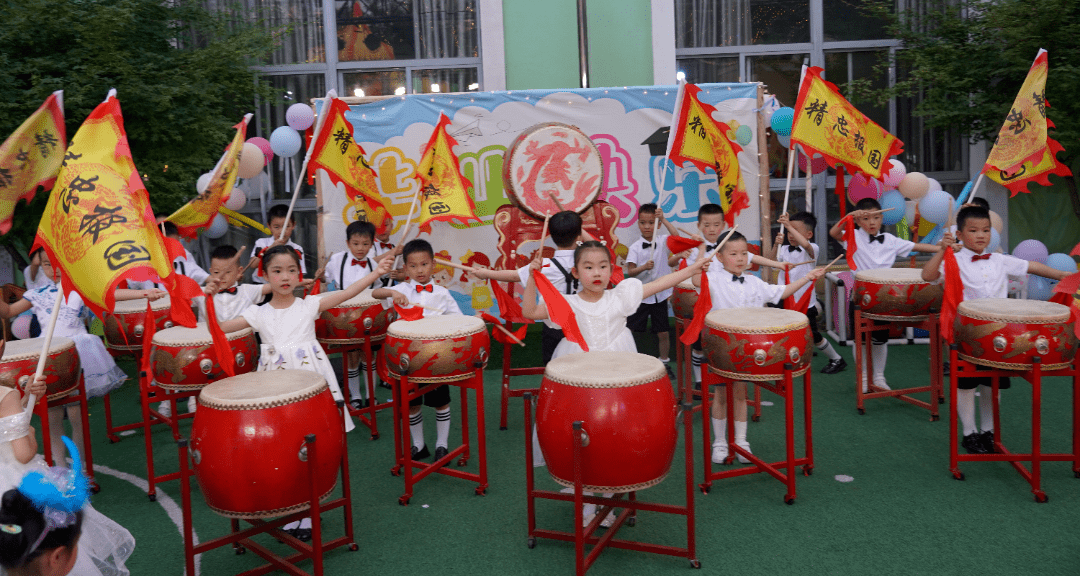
x,y
986,408
719,428
192,404
880,353
354,384
416,429
538,455
965,409
740,432
305,524
697,359
442,428
827,349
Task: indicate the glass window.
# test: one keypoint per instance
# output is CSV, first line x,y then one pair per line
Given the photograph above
x,y
843,67
444,80
926,149
375,83
779,72
708,23
298,25
713,69
845,20
406,29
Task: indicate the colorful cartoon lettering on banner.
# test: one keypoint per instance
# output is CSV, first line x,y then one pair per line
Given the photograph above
x,y
618,121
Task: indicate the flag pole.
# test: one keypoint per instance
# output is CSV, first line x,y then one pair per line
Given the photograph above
x,y
307,158
46,346
790,167
974,188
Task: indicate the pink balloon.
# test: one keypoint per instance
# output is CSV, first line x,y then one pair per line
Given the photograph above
x,y
263,145
862,186
20,327
896,172
817,164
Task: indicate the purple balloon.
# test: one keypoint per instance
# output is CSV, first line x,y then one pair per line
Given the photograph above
x,y
1032,251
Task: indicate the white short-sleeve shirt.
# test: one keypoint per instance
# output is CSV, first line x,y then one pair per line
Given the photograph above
x,y
656,251
795,255
752,292
437,302
878,254
228,306
986,278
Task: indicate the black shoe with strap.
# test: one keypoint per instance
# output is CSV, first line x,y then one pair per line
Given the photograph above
x,y
834,366
973,444
987,441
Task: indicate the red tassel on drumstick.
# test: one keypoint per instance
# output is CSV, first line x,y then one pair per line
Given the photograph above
x,y
704,302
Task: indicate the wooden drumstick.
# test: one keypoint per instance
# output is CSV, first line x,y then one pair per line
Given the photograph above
x,y
456,265
507,332
556,201
543,234
686,232
722,241
874,212
833,262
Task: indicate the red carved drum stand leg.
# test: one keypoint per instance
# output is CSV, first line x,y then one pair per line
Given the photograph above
x,y
77,397
962,368
151,416
684,372
862,343
241,540
507,373
629,505
112,432
783,388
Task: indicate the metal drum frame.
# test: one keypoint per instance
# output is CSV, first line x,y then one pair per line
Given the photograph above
x,y
861,347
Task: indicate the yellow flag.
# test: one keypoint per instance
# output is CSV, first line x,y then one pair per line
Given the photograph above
x,y
443,190
698,139
31,156
827,124
197,215
98,228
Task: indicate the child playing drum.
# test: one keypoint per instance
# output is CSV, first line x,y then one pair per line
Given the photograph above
x,y
730,288
984,275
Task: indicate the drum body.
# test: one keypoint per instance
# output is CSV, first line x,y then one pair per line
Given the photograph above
x,y
183,358
436,348
754,343
20,360
248,442
1004,333
683,299
552,159
124,326
354,321
628,411
896,294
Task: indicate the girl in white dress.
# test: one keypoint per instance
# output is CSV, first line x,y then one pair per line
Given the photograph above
x,y
601,313
101,375
103,545
286,326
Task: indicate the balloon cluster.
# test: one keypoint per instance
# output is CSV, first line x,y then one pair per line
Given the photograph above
x,y
1039,288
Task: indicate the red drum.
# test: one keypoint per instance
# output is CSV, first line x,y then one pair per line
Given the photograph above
x,y
896,294
1004,333
436,348
552,159
20,360
347,322
683,299
628,411
183,358
248,442
124,326
754,343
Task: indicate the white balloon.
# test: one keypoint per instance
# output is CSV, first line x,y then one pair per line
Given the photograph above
x,y
218,227
934,185
237,199
285,141
203,182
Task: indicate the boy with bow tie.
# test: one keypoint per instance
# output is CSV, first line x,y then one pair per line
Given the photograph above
x,y
647,260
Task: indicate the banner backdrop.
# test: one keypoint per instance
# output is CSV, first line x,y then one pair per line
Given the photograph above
x,y
619,120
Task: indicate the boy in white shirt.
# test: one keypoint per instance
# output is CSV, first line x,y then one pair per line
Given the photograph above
x,y
730,288
275,220
230,297
802,253
646,260
419,259
984,275
875,249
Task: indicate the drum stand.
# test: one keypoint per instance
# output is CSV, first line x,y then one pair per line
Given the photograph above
x,y
241,539
861,343
77,396
961,368
507,392
112,432
627,503
368,414
783,388
404,392
684,374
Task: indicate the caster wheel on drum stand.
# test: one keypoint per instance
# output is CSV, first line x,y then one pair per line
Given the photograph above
x,y
481,491
862,412
789,500
935,417
94,488
152,497
240,551
941,400
807,470
374,437
501,428
705,488
695,564
404,501
631,521
1076,474
353,547
756,418
462,462
957,475
396,470
1041,498
531,543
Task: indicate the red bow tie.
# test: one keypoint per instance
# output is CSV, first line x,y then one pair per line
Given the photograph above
x,y
356,262
386,245
978,257
229,290
424,287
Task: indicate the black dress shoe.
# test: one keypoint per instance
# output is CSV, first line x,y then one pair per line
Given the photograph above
x,y
303,534
356,403
385,384
973,444
670,372
440,451
421,453
834,366
987,441
947,367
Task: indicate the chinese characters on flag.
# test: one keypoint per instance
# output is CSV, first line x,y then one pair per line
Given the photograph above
x,y
827,124
443,190
197,215
337,152
31,156
699,139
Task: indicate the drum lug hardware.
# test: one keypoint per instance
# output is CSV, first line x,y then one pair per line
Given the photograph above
x,y
760,355
206,365
24,380
302,454
482,358
404,364
866,299
169,324
368,323
138,330
240,359
794,355
1042,345
999,343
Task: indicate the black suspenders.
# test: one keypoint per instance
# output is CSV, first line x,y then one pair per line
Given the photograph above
x,y
571,282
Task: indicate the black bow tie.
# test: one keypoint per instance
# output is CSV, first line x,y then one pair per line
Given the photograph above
x,y
710,247
794,248
879,238
229,290
645,245
737,278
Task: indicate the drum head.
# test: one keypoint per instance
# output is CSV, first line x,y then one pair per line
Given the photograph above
x,y
199,335
256,390
436,327
891,276
31,348
130,306
361,300
756,320
688,284
552,159
1013,310
605,369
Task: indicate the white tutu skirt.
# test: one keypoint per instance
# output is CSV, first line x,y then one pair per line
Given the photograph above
x,y
100,371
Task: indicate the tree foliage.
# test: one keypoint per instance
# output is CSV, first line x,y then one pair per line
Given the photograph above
x,y
182,76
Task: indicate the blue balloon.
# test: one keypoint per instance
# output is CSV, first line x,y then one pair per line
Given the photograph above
x,y
782,120
1062,262
935,207
1039,288
995,241
744,135
964,193
895,200
285,141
